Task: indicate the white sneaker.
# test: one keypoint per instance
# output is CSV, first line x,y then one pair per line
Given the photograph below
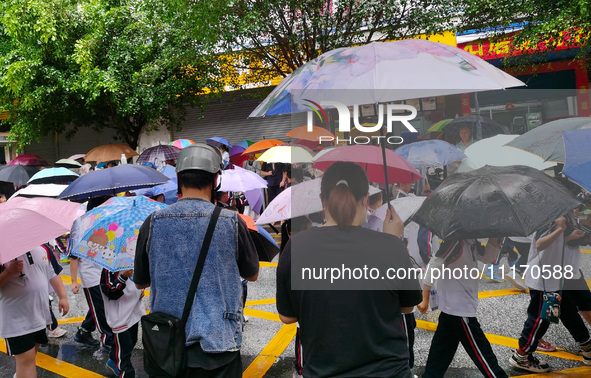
x,y
56,333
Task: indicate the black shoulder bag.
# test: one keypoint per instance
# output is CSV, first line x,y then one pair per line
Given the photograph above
x,y
163,335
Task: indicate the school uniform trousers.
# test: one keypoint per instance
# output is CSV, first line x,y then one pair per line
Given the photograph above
x,y
535,327
95,318
123,344
453,330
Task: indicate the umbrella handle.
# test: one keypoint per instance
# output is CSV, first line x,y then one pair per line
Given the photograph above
x,y
385,170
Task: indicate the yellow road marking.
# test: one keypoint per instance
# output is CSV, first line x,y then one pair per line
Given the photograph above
x,y
261,302
71,320
498,293
504,341
581,371
61,368
269,354
265,264
67,280
586,250
261,314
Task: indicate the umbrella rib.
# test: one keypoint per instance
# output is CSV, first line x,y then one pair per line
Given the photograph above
x,y
506,198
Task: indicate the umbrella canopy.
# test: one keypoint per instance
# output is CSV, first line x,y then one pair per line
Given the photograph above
x,y
181,143
383,71
32,160
109,152
107,235
494,202
241,180
546,140
67,163
429,153
262,145
577,166
236,156
286,154
439,125
370,159
17,174
112,181
489,127
265,245
492,151
158,154
40,190
26,223
244,144
218,142
405,207
77,157
314,135
295,201
53,176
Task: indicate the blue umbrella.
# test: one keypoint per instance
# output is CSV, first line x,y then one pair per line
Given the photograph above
x,y
170,191
107,235
112,181
216,141
577,165
53,176
429,153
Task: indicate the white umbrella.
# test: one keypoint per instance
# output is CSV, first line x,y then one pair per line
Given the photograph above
x,y
492,151
241,180
40,190
286,154
383,71
295,201
405,207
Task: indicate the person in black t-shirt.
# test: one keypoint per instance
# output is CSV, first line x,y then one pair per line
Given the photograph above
x,y
349,332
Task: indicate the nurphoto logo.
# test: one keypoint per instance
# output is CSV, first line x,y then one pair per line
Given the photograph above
x,y
392,115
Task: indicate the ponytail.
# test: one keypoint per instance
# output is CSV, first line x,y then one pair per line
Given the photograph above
x,y
343,186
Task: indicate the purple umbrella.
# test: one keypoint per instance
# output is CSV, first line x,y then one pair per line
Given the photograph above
x,y
159,153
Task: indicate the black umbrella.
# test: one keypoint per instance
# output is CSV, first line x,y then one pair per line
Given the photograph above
x,y
546,140
17,174
489,127
494,202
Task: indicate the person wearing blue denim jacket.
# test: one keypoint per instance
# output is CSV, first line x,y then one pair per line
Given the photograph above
x,y
167,251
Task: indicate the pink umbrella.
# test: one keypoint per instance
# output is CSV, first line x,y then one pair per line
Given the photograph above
x,y
77,156
370,158
26,223
28,160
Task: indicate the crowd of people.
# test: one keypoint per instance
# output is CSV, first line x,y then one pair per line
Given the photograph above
x,y
340,333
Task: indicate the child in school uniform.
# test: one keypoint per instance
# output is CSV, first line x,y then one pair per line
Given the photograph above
x,y
457,300
123,309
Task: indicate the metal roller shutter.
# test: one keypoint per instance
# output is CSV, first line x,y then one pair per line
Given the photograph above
x,y
83,141
228,119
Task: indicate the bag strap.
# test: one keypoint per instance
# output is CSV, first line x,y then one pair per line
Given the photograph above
x,y
200,263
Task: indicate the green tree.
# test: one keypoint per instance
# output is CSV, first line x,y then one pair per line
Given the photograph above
x,y
275,37
543,25
123,65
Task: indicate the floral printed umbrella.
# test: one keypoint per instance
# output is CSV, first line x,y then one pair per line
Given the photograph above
x,y
107,234
383,71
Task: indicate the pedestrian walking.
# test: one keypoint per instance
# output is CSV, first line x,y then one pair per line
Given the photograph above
x,y
375,343
24,313
166,258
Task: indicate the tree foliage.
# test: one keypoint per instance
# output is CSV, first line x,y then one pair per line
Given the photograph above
x,y
544,25
275,37
122,64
